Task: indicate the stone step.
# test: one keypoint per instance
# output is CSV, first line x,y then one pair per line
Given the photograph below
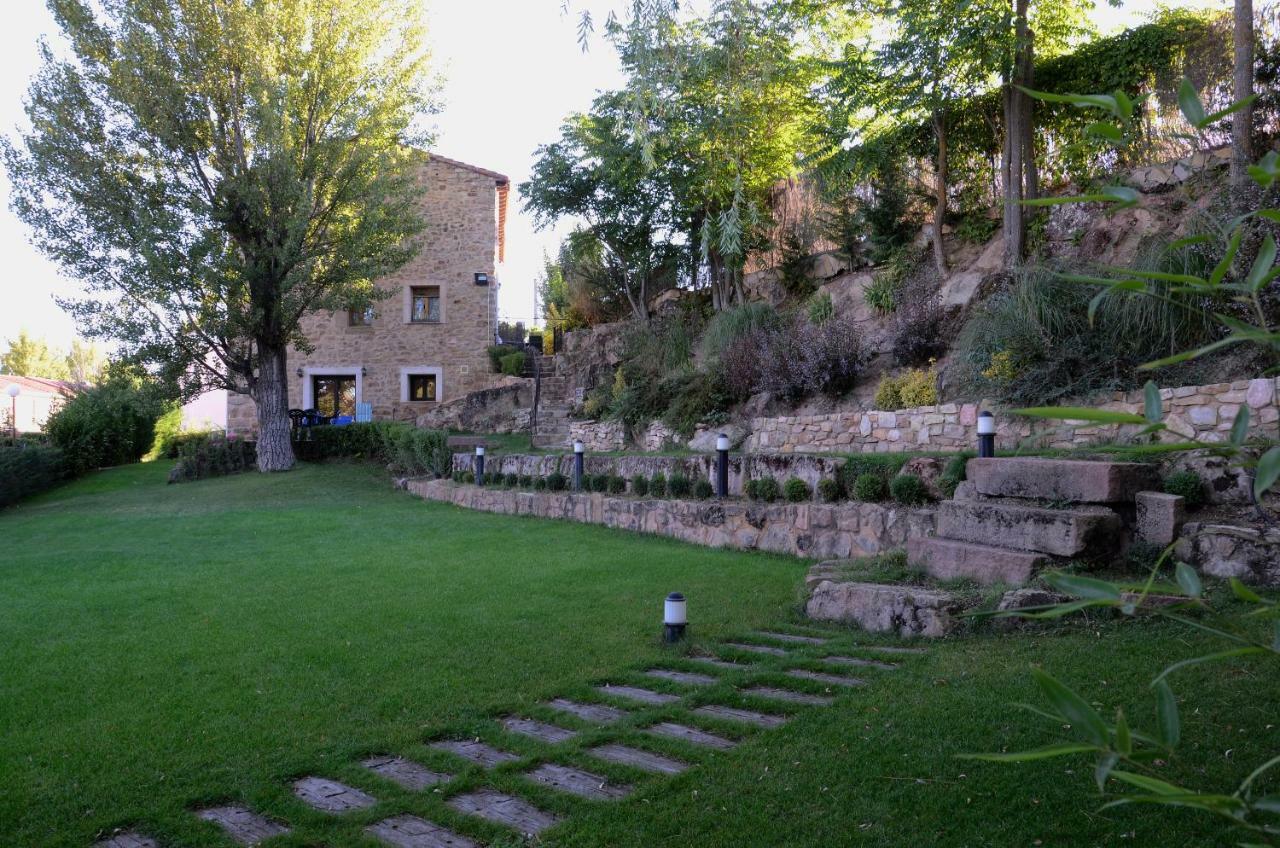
x,y
331,796
635,693
485,756
859,662
734,714
636,758
692,735
689,678
584,784
790,697
127,840
405,773
790,637
1061,532
756,649
504,809
826,679
1076,480
242,824
951,559
540,730
595,713
413,832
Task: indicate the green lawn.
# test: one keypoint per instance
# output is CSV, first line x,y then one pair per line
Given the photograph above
x,y
170,646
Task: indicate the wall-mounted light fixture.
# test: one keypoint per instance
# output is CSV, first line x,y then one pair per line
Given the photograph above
x,y
299,373
364,372
482,279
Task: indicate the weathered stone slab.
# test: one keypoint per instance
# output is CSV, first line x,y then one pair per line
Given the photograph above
x,y
891,649
1075,480
790,637
881,608
242,824
788,696
635,693
756,649
636,758
1160,516
596,713
1224,550
1061,532
127,840
543,732
719,663
476,751
413,832
504,809
331,796
826,679
735,714
406,773
859,661
687,677
584,784
951,559
692,735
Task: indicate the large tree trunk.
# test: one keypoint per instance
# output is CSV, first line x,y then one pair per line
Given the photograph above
x,y
940,191
1027,74
1016,120
1242,120
271,392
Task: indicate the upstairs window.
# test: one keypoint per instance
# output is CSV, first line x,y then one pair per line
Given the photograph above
x,y
360,317
424,305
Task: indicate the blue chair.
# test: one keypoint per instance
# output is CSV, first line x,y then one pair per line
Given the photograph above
x,y
342,420
364,413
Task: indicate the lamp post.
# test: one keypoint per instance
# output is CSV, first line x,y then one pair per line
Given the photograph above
x,y
578,449
986,435
674,618
14,390
722,466
479,465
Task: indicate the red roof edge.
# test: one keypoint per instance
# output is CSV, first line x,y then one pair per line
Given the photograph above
x,y
500,179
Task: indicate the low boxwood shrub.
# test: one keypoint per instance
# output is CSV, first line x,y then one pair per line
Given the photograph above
x,y
468,476
526,481
597,482
1189,485
617,485
539,484
796,490
658,485
498,352
829,490
511,480
883,465
513,364
909,490
749,490
640,485
28,469
869,487
213,457
766,489
702,489
557,482
679,486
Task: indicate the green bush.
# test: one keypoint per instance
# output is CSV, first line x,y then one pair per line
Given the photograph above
x,y
883,465
640,485
557,482
113,423
821,309
617,485
829,490
881,294
498,352
702,489
953,474
658,485
513,364
869,487
1189,485
796,490
468,476
540,484
749,489
170,436
511,480
909,490
765,489
694,398
213,457
407,449
730,325
526,481
679,486
596,482
28,469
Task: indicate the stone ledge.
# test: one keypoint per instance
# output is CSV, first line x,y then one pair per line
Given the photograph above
x,y
1223,550
884,608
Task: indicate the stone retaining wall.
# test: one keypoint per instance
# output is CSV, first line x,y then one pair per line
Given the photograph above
x,y
812,530
1200,412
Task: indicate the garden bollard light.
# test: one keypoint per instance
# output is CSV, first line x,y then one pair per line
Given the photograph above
x,y
722,466
14,390
578,449
986,435
674,618
479,465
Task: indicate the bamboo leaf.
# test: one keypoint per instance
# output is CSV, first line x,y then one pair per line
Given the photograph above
x,y
1168,722
1105,130
1081,413
1153,407
1214,117
1190,354
1102,770
1189,103
1124,740
1243,592
1188,580
1260,273
1076,710
1084,587
1240,427
1154,785
1220,270
1267,473
1045,753
1214,657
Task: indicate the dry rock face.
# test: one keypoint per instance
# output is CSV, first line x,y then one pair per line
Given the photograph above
x,y
880,608
1221,550
504,408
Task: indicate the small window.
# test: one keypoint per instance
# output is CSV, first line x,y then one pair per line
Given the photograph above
x,y
424,307
422,387
360,317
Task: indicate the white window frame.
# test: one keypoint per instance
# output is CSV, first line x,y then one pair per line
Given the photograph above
x,y
308,390
408,303
433,370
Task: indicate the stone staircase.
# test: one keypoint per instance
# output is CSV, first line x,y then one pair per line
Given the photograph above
x,y
1015,515
554,405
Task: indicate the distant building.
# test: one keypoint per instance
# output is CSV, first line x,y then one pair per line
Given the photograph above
x,y
37,399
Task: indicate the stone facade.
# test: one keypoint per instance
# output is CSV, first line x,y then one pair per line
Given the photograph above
x,y
1200,412
464,208
828,530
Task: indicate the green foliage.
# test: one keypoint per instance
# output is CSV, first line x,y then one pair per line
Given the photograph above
x,y
617,485
909,490
540,484
702,489
881,293
953,474
596,482
732,325
109,424
820,308
497,353
658,485
33,357
843,223
557,482
913,387
694,398
170,435
513,364
764,489
29,469
829,490
526,481
977,227
869,487
215,456
1189,485
796,490
511,480
679,486
640,485
795,264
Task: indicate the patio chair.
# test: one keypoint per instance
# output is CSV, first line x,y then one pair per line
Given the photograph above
x,y
341,420
364,412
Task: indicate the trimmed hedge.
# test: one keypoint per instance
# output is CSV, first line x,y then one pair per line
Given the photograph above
x,y
29,470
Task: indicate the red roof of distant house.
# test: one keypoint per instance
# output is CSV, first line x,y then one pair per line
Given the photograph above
x,y
40,385
504,189
500,179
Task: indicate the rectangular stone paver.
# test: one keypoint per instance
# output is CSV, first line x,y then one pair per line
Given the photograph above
x,y
504,809
477,752
127,840
540,730
828,679
688,677
890,649
692,735
406,773
858,661
789,696
635,693
242,824
790,637
756,649
735,714
719,663
331,796
584,784
413,832
634,757
597,713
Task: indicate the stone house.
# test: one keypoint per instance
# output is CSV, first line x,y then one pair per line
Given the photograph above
x,y
425,342
36,400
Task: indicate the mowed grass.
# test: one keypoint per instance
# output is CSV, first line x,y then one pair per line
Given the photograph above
x,y
171,646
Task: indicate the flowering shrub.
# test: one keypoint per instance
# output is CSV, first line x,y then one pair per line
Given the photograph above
x,y
795,361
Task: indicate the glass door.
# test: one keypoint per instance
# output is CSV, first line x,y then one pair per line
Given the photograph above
x,y
334,395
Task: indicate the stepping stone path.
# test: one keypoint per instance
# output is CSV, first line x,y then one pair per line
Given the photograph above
x,y
719,663
406,773
543,732
858,661
756,649
127,840
789,637
634,757
485,756
788,696
735,714
597,713
504,809
331,796
689,677
584,784
635,693
828,679
692,735
890,649
242,824
413,832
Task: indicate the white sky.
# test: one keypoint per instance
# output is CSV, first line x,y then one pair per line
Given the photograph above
x,y
513,70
